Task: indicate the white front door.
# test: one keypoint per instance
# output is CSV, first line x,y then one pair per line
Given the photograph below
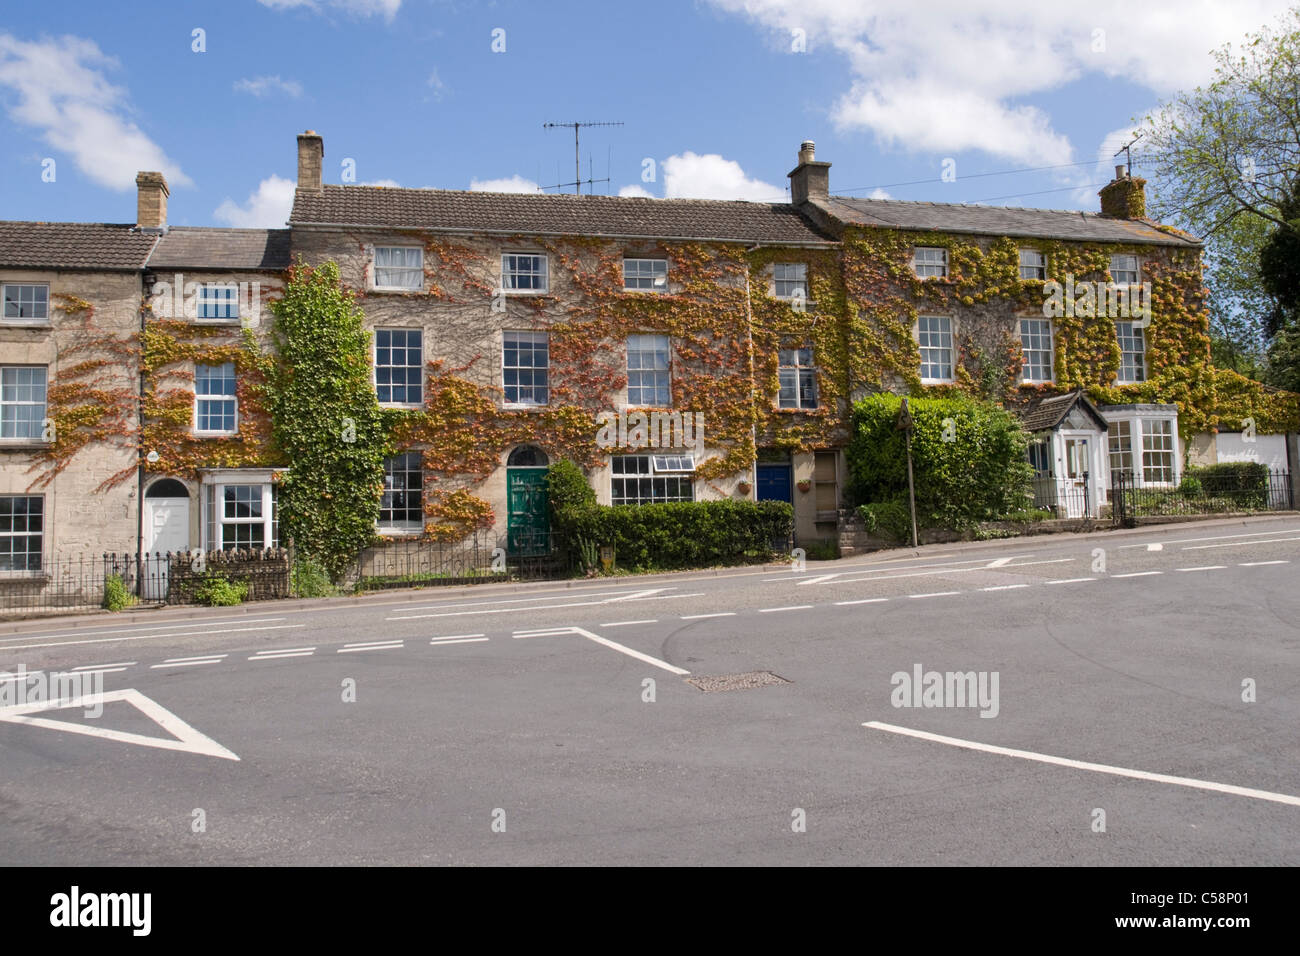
x,y
166,528
1078,477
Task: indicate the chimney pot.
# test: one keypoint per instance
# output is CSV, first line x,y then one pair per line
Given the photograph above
x,y
311,157
1120,173
810,180
151,201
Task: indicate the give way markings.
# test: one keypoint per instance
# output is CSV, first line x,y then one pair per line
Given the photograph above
x,y
604,642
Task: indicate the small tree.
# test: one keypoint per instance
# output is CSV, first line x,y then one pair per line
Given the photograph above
x,y
326,419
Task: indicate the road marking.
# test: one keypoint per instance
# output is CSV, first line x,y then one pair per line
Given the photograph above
x,y
1204,567
541,607
548,596
457,640
792,607
635,594
893,565
696,617
1086,765
1256,564
209,660
1237,544
371,646
184,737
1069,580
1217,537
1005,587
928,573
100,670
452,637
286,652
1136,574
605,642
100,667
1002,562
1156,546
934,594
653,620
99,632
151,637
820,579
861,601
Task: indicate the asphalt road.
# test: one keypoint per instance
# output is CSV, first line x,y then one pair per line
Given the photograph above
x,y
518,725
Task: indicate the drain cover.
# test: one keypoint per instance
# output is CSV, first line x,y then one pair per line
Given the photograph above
x,y
736,681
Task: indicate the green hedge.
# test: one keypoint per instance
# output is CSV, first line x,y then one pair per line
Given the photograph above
x,y
1246,479
981,474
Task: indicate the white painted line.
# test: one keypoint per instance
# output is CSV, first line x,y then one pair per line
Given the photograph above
x,y
680,672
1003,562
358,648
696,617
892,564
448,637
545,596
101,670
1204,567
1069,580
634,595
792,607
653,620
391,640
861,601
100,632
96,667
183,737
542,632
981,567
540,607
458,640
1136,574
197,657
152,637
276,657
1237,544
211,660
1005,587
820,579
1156,546
934,594
1086,765
1256,564
1217,537
283,650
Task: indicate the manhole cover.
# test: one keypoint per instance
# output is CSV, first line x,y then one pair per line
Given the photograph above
x,y
736,681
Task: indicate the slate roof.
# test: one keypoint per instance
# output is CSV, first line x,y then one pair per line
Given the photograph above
x,y
188,247
1047,413
999,221
551,214
73,245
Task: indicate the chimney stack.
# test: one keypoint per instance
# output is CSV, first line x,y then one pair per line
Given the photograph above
x,y
810,180
311,157
151,201
1124,197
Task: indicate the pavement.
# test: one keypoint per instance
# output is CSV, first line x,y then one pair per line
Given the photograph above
x,y
1119,698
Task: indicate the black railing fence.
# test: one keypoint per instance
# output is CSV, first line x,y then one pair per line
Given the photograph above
x,y
1064,497
1131,500
481,558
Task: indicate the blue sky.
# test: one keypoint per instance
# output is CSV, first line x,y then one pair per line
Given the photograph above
x,y
718,93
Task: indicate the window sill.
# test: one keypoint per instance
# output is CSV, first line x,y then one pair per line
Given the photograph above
x,y
235,435
396,288
219,322
399,532
22,324
938,381
403,406
24,577
515,407
9,444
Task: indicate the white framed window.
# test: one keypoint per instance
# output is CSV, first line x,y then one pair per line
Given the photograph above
x,y
671,464
1124,269
1040,457
26,302
399,267
790,280
1158,451
1132,352
215,406
22,532
645,275
797,377
648,376
1142,441
525,367
934,336
930,262
1036,346
524,272
634,480
22,402
1033,264
239,512
399,366
402,505
217,302
1119,440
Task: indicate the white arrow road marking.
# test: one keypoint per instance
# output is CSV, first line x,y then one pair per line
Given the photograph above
x,y
1085,765
1000,562
187,739
606,642
821,578
634,595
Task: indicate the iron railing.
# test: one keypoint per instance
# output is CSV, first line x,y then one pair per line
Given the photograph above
x,y
1130,500
1063,497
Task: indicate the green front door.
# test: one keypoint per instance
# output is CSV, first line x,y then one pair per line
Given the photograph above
x,y
528,521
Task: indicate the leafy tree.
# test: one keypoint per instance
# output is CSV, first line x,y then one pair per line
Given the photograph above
x,y
326,419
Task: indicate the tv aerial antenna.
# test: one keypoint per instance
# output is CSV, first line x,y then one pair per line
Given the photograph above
x,y
578,181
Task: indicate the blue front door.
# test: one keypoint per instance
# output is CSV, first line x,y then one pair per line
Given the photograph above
x,y
773,483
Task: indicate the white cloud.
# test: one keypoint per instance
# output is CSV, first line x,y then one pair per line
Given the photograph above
x,y
879,193
950,75
514,184
636,191
267,207
361,8
265,85
688,176
389,183
63,92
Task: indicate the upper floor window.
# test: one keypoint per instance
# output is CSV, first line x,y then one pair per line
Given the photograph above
x,y
22,401
1033,264
218,301
790,280
798,379
523,272
1036,346
1132,348
399,366
26,302
525,362
645,275
930,262
648,370
22,530
399,267
934,336
215,404
1124,269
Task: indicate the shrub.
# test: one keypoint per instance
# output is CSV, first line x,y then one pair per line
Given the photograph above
x,y
825,550
309,579
887,519
567,488
1028,515
979,475
1190,485
116,595
217,590
1245,482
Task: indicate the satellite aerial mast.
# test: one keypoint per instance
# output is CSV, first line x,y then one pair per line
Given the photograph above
x,y
577,162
